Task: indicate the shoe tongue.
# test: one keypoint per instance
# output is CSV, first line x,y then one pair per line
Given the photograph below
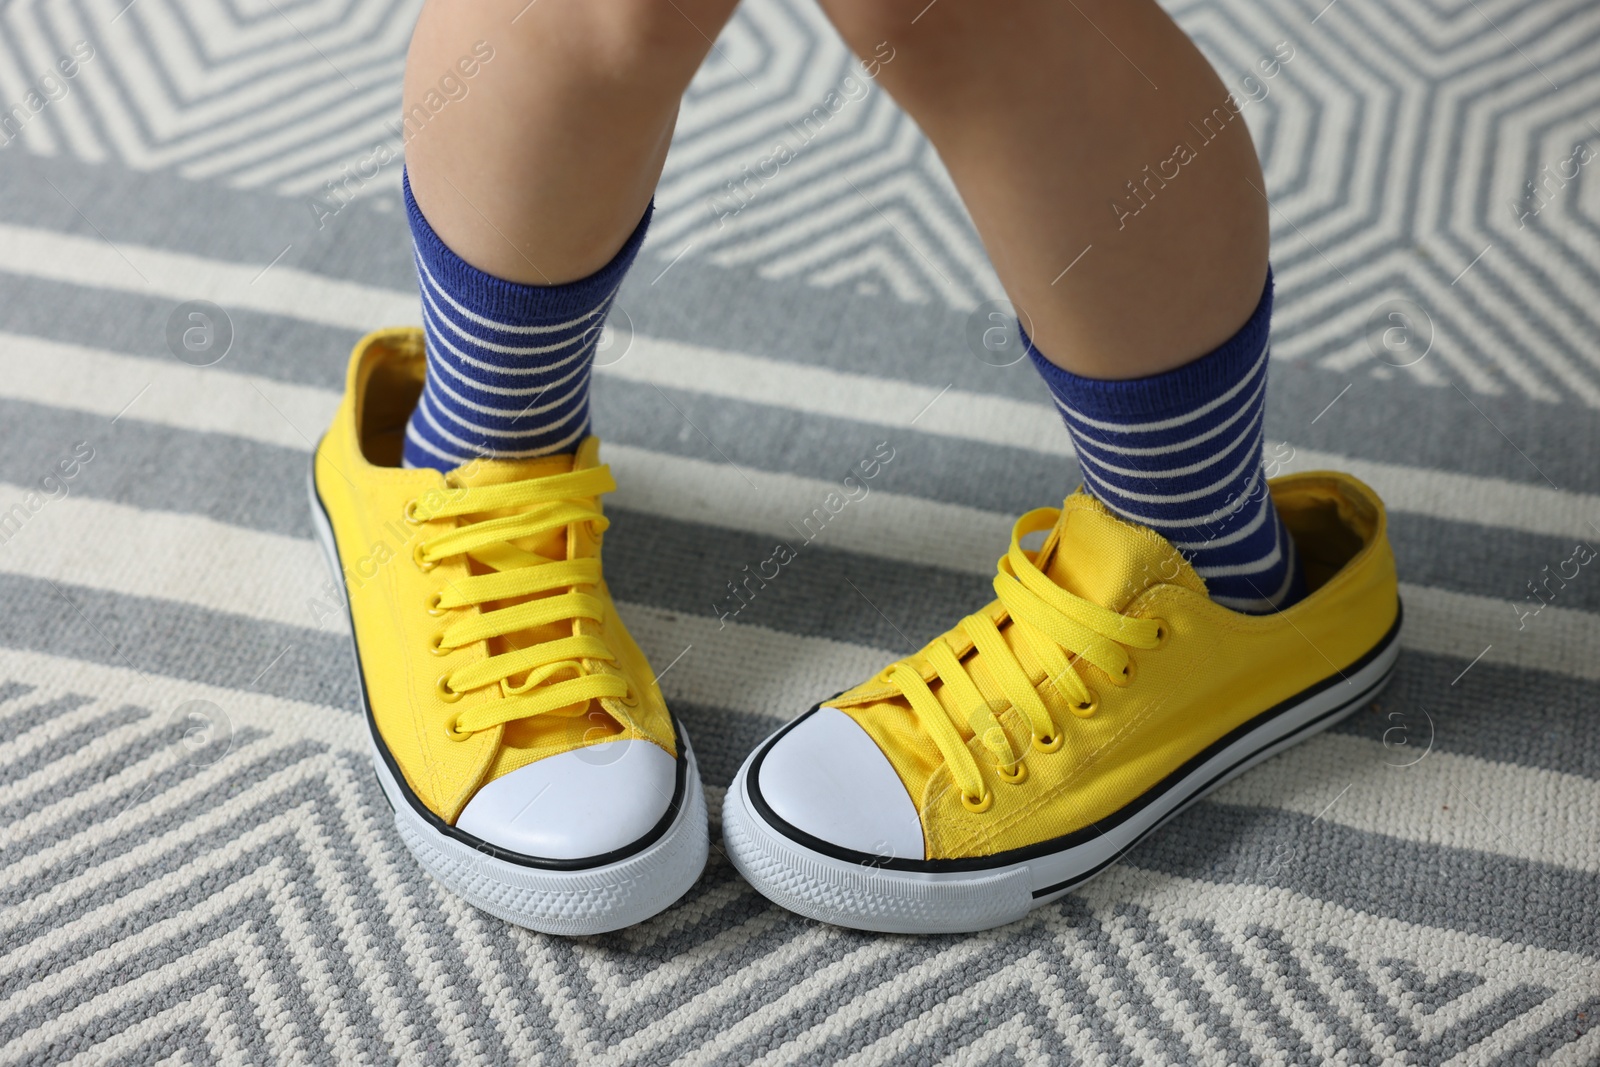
x,y
498,471
483,472
1108,560
478,473
1091,553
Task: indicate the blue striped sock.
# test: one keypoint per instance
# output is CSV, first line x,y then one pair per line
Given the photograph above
x,y
1181,454
508,364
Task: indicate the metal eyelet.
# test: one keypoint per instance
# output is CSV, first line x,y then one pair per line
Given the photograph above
x,y
453,731
446,694
1084,711
1128,673
977,805
1016,775
433,607
1049,744
630,699
410,513
424,565
436,646
1163,633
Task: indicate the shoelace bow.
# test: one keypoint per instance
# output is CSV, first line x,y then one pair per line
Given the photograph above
x,y
551,503
1055,629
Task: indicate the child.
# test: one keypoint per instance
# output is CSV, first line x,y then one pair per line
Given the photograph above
x,y
1179,623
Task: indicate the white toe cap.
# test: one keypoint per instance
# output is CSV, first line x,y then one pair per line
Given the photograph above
x,y
577,804
828,778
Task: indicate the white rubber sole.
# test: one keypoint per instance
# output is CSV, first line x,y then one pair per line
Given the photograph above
x,y
901,897
591,900
552,898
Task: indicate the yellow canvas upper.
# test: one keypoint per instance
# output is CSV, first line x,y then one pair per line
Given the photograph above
x,y
417,574
1195,670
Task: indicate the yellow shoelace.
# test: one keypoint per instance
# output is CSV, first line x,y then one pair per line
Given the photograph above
x,y
1055,629
559,672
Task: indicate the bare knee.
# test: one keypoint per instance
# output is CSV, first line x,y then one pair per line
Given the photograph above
x,y
635,38
915,48
871,21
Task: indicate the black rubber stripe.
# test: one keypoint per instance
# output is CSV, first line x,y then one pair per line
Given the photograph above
x,y
656,832
1055,844
1293,738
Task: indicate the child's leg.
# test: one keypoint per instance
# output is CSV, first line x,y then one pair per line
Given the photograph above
x,y
539,174
528,198
1044,112
1122,204
517,731
1038,739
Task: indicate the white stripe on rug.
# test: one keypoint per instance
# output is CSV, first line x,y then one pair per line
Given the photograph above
x,y
290,415
953,413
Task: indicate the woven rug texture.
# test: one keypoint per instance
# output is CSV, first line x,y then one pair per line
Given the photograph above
x,y
196,864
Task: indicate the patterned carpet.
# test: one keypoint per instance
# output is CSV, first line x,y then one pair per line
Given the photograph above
x,y
196,864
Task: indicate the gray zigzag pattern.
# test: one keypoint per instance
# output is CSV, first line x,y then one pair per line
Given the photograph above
x,y
171,911
178,85
1412,138
865,200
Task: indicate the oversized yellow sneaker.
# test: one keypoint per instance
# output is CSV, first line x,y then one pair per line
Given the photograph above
x,y
517,730
1025,750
